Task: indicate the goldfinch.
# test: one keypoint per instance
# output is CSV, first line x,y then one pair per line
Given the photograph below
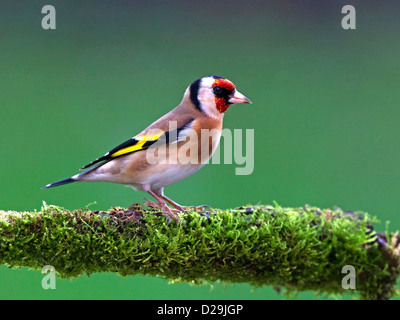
x,y
172,148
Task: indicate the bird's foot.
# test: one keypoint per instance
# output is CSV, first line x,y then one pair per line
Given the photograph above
x,y
156,205
168,212
152,204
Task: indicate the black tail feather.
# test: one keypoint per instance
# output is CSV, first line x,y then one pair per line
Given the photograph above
x,y
59,183
76,177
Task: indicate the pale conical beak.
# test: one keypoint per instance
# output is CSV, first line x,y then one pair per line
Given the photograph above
x,y
238,98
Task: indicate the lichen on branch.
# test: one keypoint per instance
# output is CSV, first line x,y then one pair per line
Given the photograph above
x,y
296,249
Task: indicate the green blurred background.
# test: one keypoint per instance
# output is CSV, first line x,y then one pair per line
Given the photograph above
x,y
325,111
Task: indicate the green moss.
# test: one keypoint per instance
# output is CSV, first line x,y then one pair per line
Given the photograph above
x,y
293,248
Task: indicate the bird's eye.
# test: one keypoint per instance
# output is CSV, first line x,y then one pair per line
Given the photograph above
x,y
217,89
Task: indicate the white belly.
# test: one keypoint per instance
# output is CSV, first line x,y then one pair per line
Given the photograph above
x,y
171,175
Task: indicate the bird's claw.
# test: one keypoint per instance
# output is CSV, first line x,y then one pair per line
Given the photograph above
x,y
152,204
168,212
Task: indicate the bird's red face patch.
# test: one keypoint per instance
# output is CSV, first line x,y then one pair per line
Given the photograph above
x,y
224,83
222,89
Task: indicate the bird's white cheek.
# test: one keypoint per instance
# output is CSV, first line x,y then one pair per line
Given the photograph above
x,y
206,97
208,103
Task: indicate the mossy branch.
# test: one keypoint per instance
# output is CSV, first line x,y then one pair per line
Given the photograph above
x,y
292,248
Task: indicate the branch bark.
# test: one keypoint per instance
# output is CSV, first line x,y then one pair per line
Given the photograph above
x,y
295,249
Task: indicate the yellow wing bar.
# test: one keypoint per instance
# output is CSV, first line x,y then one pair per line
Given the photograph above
x,y
139,145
